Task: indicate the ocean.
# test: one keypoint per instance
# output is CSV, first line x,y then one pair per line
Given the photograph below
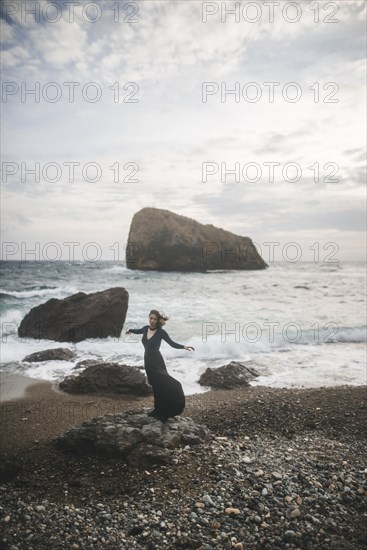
x,y
299,324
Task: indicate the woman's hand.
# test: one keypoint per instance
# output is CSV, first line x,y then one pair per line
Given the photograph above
x,y
128,332
189,348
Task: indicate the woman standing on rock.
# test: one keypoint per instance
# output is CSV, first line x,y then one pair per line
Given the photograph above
x,y
169,398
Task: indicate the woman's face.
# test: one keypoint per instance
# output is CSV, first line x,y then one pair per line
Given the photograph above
x,y
153,320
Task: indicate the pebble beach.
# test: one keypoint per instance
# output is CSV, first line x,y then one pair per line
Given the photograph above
x,y
286,469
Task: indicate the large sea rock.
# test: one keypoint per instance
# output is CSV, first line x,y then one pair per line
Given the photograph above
x,y
135,437
78,317
228,377
105,378
164,241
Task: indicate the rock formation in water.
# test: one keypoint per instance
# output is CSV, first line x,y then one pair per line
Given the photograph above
x,y
78,317
164,241
227,377
105,378
55,354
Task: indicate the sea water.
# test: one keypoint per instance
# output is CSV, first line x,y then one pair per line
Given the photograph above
x,y
299,324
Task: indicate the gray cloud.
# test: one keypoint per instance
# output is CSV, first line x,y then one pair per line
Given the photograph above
x,y
170,131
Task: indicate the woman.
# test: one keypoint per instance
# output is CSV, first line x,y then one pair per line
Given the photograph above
x,y
169,398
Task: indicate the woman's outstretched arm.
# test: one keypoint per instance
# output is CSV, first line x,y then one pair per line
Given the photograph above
x,y
135,331
173,344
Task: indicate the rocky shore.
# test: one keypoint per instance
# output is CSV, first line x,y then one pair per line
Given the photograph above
x,y
286,469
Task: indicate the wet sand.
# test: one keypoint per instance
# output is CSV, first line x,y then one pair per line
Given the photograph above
x,y
38,411
14,386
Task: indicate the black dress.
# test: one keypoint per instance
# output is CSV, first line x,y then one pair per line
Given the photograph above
x,y
169,398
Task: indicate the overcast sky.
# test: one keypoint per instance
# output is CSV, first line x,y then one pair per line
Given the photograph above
x,y
162,133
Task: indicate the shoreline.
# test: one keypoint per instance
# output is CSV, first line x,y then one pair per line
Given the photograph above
x,y
15,386
38,411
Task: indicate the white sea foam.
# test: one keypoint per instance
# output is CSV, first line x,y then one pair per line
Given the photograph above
x,y
349,334
116,269
297,366
319,328
310,367
52,292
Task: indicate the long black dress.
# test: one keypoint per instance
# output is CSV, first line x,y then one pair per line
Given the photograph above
x,y
169,398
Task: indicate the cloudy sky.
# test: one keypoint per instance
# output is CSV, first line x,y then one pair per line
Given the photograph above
x,y
131,107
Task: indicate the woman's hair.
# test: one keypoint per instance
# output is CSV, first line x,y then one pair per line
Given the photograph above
x,y
162,317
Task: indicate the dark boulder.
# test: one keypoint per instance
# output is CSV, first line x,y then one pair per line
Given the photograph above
x,y
107,378
228,377
56,354
139,439
77,317
164,241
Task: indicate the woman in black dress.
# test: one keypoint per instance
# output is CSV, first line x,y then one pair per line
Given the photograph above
x,y
169,398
